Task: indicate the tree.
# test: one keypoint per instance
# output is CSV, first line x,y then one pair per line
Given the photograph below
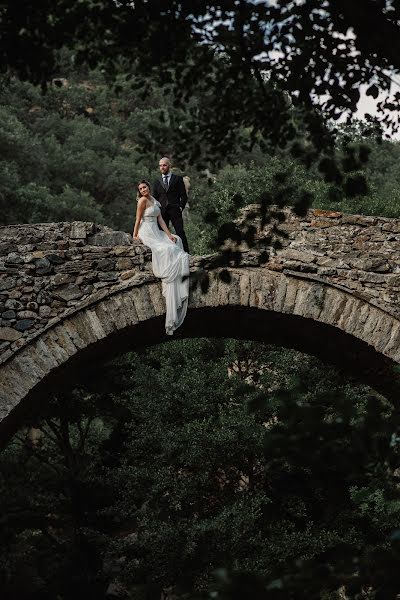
x,y
154,488
244,60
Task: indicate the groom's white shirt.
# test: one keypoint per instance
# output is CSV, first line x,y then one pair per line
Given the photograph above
x,y
168,176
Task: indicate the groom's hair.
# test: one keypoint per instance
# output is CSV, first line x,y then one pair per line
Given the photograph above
x,y
166,159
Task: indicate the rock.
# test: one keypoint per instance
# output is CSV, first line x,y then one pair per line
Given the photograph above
x,y
321,224
58,306
326,271
372,278
14,294
111,276
26,314
78,230
44,311
128,274
393,280
88,289
14,259
298,266
326,261
106,264
24,325
7,248
123,251
43,266
274,266
123,264
86,279
328,214
298,255
113,238
13,304
70,292
100,284
9,334
62,279
377,265
32,306
359,220
7,284
55,259
8,314
43,297
392,227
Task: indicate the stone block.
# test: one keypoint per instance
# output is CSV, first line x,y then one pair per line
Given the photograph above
x,y
297,255
105,264
32,306
43,266
124,264
327,214
78,231
113,238
44,297
14,259
374,264
24,324
9,334
128,274
62,279
13,304
8,314
70,292
55,259
7,284
111,276
44,311
364,221
26,314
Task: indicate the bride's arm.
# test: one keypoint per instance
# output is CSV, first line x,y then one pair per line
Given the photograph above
x,y
139,214
164,227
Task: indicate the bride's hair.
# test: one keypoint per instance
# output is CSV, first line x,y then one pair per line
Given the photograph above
x,y
137,188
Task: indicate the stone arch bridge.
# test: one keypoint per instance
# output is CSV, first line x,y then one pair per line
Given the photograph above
x,y
76,292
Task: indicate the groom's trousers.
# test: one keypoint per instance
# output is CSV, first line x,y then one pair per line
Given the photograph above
x,y
173,213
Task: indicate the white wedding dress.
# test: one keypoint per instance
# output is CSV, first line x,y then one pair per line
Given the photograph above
x,y
171,263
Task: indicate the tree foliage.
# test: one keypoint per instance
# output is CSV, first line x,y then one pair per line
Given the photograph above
x,y
76,153
256,461
278,69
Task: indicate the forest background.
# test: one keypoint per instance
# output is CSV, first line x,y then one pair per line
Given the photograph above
x,y
262,471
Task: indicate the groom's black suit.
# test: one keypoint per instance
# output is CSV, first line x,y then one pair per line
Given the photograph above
x,y
173,201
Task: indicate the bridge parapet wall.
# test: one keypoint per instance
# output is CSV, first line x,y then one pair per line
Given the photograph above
x,y
358,253
49,270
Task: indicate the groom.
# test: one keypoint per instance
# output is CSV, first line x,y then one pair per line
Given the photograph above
x,y
170,192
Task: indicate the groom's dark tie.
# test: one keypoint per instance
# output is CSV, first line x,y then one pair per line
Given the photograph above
x,y
165,179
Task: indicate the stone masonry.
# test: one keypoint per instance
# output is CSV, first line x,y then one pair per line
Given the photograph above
x,y
63,286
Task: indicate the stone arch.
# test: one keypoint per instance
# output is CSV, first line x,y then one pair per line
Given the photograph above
x,y
291,309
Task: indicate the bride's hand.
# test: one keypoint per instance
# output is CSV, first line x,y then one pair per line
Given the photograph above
x,y
136,238
172,238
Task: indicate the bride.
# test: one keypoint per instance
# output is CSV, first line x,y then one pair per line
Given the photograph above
x,y
169,261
